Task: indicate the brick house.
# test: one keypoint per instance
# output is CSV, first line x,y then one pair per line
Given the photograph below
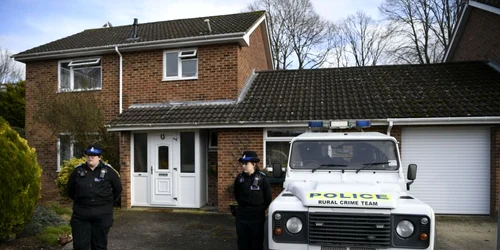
x,y
181,132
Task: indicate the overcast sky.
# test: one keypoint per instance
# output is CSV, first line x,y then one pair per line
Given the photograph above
x,y
25,24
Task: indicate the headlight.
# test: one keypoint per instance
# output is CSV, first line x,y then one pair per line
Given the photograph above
x,y
404,229
294,225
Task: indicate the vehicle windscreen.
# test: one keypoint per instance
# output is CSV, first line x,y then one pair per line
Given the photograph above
x,y
344,155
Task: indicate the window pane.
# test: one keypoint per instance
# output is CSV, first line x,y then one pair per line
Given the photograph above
x,y
140,152
163,157
172,66
187,152
277,152
65,76
189,68
64,148
78,150
213,139
87,78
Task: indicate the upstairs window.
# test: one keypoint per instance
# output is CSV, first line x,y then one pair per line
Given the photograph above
x,y
81,74
180,64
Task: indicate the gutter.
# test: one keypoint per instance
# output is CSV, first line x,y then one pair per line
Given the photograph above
x,y
137,46
445,121
299,124
120,106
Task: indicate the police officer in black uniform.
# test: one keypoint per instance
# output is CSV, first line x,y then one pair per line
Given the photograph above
x,y
93,186
253,194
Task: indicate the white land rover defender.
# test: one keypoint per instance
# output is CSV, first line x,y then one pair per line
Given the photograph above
x,y
347,191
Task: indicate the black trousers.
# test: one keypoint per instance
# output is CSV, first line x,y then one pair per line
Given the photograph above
x,y
90,228
250,234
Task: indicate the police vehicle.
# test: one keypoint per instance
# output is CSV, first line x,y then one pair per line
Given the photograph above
x,y
347,190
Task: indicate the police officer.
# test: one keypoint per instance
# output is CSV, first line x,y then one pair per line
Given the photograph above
x,y
253,194
93,186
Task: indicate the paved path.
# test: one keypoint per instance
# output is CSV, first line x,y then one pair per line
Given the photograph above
x,y
194,230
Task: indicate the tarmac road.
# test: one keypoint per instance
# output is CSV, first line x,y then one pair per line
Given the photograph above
x,y
194,230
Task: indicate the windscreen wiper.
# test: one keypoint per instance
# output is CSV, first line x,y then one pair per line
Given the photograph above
x,y
365,165
328,165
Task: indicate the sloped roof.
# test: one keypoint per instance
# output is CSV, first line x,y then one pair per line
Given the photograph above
x,y
462,89
493,3
155,31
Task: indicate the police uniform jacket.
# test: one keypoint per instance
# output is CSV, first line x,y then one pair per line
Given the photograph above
x,y
253,196
100,187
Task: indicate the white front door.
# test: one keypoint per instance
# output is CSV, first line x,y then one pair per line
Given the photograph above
x,y
163,148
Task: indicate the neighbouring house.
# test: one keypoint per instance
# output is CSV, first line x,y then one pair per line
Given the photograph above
x,y
476,36
188,96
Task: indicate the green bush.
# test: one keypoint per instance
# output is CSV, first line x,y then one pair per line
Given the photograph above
x,y
41,219
20,181
66,169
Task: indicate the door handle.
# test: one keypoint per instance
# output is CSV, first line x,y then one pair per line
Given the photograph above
x,y
151,169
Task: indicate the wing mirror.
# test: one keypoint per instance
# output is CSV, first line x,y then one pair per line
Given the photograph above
x,y
277,171
412,175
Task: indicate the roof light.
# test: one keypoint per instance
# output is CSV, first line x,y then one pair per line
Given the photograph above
x,y
363,124
339,124
315,124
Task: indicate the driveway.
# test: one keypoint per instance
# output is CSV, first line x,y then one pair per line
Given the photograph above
x,y
192,229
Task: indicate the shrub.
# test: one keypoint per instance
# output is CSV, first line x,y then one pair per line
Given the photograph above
x,y
41,219
20,181
66,169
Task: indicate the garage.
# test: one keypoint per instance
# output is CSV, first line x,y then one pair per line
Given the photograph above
x,y
453,173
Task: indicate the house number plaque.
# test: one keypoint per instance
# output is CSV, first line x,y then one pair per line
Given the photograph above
x,y
162,136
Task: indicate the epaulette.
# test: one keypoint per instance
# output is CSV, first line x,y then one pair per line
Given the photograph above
x,y
109,166
262,173
79,165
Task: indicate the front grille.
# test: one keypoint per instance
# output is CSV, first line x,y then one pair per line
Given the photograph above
x,y
361,230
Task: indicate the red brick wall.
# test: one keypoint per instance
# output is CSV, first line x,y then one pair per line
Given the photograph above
x,y
125,169
252,57
480,39
217,78
39,136
44,75
231,144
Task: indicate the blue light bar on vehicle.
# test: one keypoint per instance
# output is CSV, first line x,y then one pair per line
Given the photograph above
x,y
363,124
315,124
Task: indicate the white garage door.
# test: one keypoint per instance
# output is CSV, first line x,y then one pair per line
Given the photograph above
x,y
453,174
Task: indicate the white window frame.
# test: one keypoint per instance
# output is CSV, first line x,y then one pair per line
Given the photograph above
x,y
188,56
210,141
74,63
71,151
276,139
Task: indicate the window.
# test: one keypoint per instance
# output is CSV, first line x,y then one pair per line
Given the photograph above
x,y
180,64
212,140
187,152
83,74
140,153
277,146
67,150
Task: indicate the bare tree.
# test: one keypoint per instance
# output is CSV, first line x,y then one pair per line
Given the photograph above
x,y
339,55
80,115
366,39
297,32
280,44
10,71
424,28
